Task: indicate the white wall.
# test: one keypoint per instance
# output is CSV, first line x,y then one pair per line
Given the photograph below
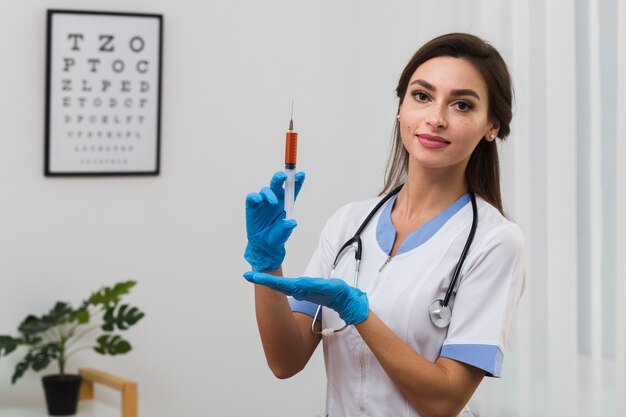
x,y
230,71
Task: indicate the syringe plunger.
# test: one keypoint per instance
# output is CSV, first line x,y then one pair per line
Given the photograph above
x,y
290,192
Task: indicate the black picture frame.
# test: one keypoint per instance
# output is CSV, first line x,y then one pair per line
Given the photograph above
x,y
103,93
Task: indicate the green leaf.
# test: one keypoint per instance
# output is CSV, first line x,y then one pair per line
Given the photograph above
x,y
121,322
109,320
112,345
32,340
41,360
81,316
33,324
110,296
37,359
122,319
8,344
21,367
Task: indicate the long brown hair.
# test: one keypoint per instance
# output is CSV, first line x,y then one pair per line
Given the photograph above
x,y
483,169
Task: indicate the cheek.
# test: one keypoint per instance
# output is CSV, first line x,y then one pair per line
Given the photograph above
x,y
406,132
472,130
408,129
408,124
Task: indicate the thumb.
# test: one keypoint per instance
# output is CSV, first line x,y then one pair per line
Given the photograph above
x,y
280,231
299,181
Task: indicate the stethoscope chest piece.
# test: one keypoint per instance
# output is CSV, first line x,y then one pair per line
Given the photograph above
x,y
439,314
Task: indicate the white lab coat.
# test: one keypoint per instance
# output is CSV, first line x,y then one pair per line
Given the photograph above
x,y
486,295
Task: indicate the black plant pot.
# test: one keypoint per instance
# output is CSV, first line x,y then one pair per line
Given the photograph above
x,y
62,394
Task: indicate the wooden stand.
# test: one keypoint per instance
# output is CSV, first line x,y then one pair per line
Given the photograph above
x,y
127,388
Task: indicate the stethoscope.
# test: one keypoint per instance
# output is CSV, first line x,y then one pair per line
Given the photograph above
x,y
439,310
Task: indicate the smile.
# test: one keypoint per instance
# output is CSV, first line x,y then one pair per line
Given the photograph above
x,y
431,141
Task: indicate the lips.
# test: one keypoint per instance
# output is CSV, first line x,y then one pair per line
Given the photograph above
x,y
432,141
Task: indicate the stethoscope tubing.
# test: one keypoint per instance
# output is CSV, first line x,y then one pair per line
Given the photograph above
x,y
355,242
468,243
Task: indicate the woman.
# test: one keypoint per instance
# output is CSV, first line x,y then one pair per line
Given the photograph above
x,y
399,356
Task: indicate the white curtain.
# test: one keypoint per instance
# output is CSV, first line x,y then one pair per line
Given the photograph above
x,y
564,173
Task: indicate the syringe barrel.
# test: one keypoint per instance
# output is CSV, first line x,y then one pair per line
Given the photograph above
x,y
291,149
290,192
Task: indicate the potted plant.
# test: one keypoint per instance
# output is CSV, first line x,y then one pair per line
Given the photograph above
x,y
59,334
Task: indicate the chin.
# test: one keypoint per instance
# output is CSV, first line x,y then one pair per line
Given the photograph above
x,y
431,160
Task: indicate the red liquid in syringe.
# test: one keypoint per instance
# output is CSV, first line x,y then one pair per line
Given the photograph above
x,y
291,147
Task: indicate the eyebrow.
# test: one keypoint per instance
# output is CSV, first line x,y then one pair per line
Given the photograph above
x,y
456,92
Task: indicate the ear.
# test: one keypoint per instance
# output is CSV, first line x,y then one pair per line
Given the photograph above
x,y
492,133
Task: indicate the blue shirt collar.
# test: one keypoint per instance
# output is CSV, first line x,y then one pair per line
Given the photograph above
x,y
386,232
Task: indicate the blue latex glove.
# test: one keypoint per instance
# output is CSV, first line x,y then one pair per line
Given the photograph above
x,y
266,227
350,302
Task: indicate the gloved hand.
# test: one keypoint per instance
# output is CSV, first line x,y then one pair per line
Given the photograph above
x,y
266,227
350,302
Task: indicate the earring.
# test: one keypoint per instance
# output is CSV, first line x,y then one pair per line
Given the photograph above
x,y
398,116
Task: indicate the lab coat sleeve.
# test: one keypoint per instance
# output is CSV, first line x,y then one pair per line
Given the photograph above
x,y
487,296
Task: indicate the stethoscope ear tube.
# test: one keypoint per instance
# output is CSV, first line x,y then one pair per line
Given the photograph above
x,y
376,208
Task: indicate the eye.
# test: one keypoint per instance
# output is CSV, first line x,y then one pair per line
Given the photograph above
x,y
463,105
420,95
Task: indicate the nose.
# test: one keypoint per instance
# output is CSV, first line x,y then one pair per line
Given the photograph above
x,y
437,117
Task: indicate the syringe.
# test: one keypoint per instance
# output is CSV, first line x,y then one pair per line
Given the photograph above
x,y
291,151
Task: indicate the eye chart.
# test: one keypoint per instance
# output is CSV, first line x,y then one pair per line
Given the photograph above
x,y
103,93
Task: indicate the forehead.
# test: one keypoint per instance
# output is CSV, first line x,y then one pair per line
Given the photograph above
x,y
450,73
